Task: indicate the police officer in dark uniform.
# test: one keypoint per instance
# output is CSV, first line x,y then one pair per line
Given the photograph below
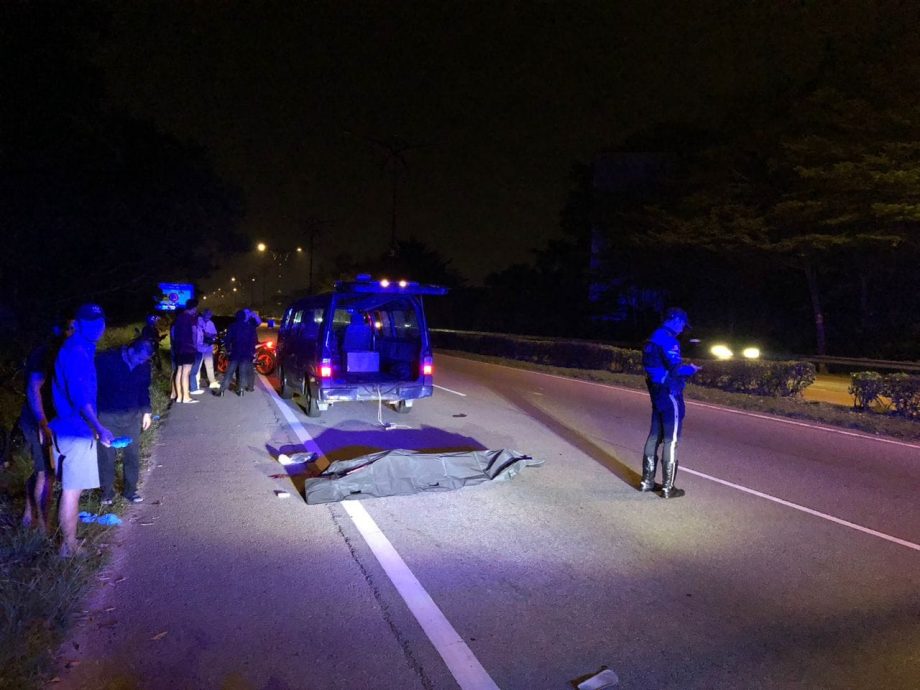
x,y
665,376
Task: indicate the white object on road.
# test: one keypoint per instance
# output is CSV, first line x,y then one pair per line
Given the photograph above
x,y
296,459
604,679
282,494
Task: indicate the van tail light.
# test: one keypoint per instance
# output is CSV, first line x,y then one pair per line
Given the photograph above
x,y
427,367
325,369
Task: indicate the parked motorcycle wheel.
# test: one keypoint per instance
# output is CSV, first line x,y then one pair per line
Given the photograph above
x,y
265,363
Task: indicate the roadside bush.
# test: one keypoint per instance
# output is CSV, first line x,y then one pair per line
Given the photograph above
x,y
755,377
904,391
865,387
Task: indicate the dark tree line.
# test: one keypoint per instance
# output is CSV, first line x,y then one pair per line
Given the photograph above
x,y
790,214
94,204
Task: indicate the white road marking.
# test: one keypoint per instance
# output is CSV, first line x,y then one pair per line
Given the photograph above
x,y
462,395
810,511
743,413
460,660
463,665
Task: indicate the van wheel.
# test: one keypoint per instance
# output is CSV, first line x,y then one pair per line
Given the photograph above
x,y
311,406
284,390
401,407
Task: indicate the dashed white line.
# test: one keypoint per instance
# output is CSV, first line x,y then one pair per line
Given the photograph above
x,y
804,509
460,660
462,395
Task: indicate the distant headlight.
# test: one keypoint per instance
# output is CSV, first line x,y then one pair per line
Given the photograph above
x,y
751,352
720,352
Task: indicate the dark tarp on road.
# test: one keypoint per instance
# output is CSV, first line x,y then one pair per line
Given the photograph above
x,y
403,472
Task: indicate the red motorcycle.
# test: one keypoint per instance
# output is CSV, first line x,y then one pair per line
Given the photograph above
x,y
265,359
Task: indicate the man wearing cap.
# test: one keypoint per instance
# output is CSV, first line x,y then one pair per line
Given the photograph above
x,y
76,428
665,376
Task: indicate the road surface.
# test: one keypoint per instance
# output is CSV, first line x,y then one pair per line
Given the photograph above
x,y
793,561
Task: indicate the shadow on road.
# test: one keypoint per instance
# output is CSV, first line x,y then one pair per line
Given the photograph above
x,y
573,436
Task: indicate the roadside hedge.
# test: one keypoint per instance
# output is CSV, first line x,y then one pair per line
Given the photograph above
x,y
903,390
755,377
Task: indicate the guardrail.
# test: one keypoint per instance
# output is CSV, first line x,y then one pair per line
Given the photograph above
x,y
862,363
865,364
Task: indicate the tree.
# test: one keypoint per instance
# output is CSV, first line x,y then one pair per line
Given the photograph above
x,y
94,205
819,192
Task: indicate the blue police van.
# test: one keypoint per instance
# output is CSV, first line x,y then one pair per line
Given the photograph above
x,y
364,340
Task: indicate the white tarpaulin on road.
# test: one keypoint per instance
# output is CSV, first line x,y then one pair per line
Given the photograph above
x,y
403,472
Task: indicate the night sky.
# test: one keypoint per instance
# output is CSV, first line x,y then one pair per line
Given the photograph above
x,y
494,101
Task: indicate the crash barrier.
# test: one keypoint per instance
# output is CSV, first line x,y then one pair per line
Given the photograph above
x,y
756,377
891,365
899,393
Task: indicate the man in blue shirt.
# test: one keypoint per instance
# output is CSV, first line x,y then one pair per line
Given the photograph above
x,y
124,408
665,377
76,427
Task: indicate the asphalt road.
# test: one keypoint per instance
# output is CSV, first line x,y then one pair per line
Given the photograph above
x,y
792,561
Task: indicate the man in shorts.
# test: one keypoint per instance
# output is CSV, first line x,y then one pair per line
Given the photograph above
x,y
76,427
37,409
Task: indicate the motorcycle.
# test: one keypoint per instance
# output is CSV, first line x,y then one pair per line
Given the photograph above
x,y
265,359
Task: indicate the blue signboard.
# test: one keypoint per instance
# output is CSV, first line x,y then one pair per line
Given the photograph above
x,y
174,296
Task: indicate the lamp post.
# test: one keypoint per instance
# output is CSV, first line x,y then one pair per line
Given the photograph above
x,y
280,257
394,149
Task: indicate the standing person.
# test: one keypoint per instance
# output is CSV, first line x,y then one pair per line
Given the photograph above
x,y
37,409
76,427
241,342
151,332
665,377
256,321
185,343
206,349
124,408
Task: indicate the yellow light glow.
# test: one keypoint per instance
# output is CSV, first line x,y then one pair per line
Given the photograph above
x,y
378,325
402,283
721,352
261,246
751,352
299,249
384,283
233,279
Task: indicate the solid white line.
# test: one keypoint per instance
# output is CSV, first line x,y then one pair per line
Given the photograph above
x,y
462,395
463,665
460,660
743,413
810,511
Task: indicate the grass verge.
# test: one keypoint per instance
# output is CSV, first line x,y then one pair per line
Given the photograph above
x,y
876,423
41,595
